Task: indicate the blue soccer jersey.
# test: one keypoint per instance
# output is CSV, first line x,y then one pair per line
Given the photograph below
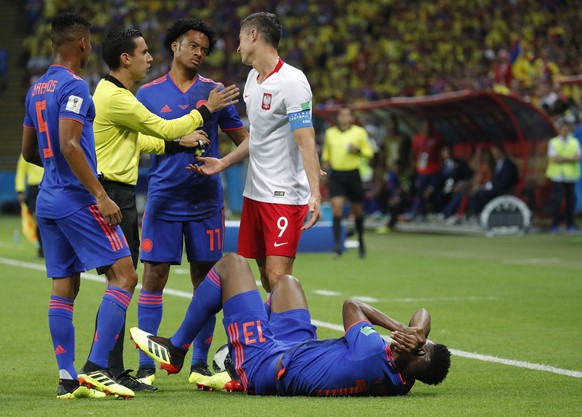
x,y
174,193
360,363
60,94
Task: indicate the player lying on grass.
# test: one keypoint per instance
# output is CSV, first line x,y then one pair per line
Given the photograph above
x,y
279,355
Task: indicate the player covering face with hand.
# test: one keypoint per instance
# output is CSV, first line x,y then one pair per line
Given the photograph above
x,y
278,354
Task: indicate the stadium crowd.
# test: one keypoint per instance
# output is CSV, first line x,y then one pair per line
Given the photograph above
x,y
360,51
354,52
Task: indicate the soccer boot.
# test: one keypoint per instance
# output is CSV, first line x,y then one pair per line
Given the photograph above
x,y
170,357
146,375
219,382
197,372
133,383
102,380
71,390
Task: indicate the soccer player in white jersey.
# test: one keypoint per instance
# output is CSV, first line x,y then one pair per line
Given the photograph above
x,y
283,175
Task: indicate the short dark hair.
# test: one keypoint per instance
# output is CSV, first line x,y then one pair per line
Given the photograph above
x,y
184,25
267,24
66,26
438,367
117,42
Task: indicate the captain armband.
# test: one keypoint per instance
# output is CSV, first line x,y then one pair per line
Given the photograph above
x,y
300,119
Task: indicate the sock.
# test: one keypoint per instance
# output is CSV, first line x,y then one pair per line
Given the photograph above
x,y
201,343
360,229
115,359
337,232
109,323
268,304
207,300
150,308
60,316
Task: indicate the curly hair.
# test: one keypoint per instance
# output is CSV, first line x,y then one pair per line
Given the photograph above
x,y
438,367
184,25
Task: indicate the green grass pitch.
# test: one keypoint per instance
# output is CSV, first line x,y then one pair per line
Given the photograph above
x,y
510,308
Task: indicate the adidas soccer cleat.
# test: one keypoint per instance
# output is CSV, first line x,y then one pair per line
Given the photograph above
x,y
219,382
133,383
197,372
71,390
170,357
104,382
146,375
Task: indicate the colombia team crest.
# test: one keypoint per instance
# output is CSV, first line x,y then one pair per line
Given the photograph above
x,y
267,97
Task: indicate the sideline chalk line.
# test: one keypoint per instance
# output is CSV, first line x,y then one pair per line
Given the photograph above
x,y
331,326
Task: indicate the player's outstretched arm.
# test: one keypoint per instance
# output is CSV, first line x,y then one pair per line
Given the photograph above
x,y
211,166
218,100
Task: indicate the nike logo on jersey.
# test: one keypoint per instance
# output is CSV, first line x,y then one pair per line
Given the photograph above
x,y
279,244
166,109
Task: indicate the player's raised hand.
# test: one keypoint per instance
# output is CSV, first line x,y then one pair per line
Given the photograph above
x,y
218,100
110,211
410,339
196,139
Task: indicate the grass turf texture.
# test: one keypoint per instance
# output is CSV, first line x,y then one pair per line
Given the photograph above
x,y
517,298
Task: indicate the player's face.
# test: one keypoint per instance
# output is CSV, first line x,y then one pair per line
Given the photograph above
x,y
87,48
140,61
191,49
244,46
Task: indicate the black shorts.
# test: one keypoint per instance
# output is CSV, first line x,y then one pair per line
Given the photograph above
x,y
124,196
346,184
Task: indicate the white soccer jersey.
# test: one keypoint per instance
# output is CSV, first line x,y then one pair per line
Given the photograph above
x,y
275,172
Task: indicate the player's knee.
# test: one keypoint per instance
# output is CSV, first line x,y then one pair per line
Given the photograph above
x,y
233,265
284,281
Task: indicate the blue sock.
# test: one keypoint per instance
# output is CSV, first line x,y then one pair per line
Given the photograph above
x,y
60,316
201,344
268,305
207,301
149,316
109,322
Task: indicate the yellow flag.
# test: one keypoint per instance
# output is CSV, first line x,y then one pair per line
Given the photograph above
x,y
28,223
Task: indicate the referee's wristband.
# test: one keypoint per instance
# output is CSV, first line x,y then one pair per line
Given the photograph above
x,y
205,113
173,147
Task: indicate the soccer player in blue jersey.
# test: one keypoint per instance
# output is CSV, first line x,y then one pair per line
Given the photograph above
x,y
183,207
77,220
280,354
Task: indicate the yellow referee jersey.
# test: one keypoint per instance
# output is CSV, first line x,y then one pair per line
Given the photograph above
x,y
335,148
27,174
120,117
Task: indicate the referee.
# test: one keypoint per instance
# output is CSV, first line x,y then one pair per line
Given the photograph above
x,y
123,129
345,146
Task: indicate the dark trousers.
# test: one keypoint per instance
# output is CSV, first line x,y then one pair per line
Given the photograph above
x,y
124,196
559,191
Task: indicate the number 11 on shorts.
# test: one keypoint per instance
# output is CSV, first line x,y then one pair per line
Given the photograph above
x,y
214,239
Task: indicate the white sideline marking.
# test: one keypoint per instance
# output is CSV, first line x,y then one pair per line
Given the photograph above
x,y
337,327
366,299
